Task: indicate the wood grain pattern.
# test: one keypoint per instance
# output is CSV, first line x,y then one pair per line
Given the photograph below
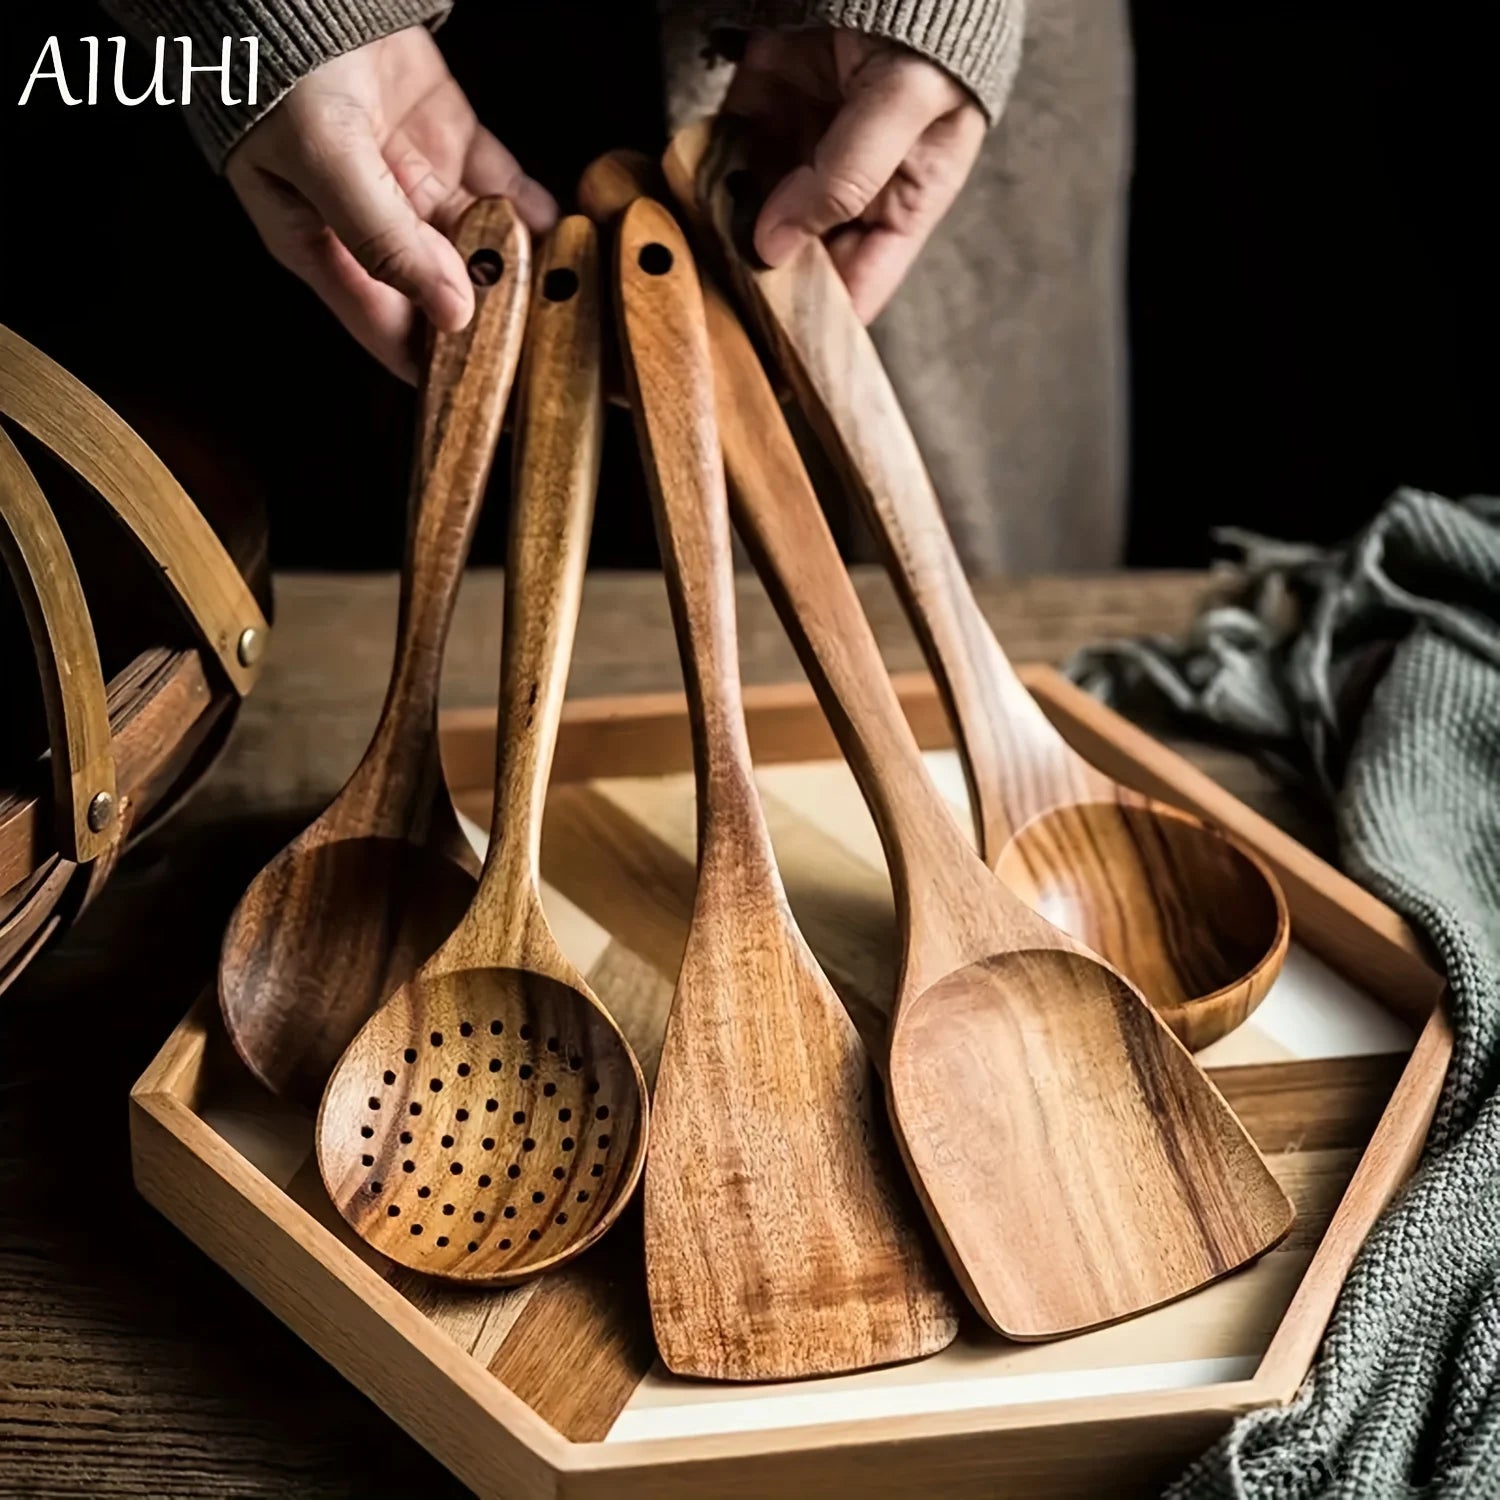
x,y
780,1240
1075,1163
92,440
638,734
1344,923
122,1395
1194,919
1075,1448
583,1343
41,568
489,1122
349,910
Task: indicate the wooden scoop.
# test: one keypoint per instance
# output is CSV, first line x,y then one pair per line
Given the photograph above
x,y
1076,1164
1195,919
348,910
780,1239
489,1122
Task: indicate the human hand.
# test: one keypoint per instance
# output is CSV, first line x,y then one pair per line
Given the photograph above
x,y
355,179
878,142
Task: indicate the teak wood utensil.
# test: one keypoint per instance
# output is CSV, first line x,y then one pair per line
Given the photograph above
x,y
490,1121
350,908
779,1238
1195,919
1076,1164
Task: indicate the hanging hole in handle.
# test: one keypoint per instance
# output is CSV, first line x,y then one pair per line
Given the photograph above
x,y
654,259
558,285
486,267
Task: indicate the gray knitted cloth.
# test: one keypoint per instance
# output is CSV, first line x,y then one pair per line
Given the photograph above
x,y
1375,670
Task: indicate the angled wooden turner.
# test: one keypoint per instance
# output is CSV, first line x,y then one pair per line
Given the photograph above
x,y
780,1240
489,1122
1076,1164
350,908
1195,919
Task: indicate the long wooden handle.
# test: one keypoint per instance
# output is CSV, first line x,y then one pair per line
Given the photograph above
x,y
837,376
86,815
106,453
559,429
664,345
463,402
777,513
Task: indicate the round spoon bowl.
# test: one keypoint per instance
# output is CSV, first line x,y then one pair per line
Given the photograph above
x,y
484,1126
1195,920
324,933
987,1064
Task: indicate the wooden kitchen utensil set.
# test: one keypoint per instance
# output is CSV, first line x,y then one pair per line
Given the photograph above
x,y
483,1118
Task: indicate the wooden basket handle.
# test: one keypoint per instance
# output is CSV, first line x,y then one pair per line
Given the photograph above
x,y
106,453
85,805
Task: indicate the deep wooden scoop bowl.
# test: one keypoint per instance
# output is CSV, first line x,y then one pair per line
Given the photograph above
x,y
1197,921
370,913
1194,918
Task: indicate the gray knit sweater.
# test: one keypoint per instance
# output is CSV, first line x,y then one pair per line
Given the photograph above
x,y
978,41
1404,1401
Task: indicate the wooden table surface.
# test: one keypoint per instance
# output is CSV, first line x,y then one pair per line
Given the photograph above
x,y
129,1363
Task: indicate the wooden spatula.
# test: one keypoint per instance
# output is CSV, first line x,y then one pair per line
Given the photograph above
x,y
1077,1165
780,1241
1193,917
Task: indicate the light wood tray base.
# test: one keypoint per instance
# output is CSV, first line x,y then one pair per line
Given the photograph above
x,y
553,1388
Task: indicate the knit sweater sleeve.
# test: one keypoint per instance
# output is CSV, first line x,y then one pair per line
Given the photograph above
x,y
977,41
295,37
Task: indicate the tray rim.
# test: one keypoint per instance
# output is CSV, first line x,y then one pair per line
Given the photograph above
x,y
646,733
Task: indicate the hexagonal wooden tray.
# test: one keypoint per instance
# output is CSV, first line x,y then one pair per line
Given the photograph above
x,y
552,1389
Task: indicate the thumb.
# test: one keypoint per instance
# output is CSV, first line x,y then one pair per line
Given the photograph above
x,y
886,114
353,188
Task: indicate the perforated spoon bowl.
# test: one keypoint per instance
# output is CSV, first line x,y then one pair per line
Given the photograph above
x,y
490,1121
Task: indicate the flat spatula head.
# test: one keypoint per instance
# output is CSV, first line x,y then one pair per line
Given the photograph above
x,y
1078,1165
782,1238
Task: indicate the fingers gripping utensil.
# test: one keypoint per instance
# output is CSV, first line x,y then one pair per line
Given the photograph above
x,y
349,909
1196,920
779,1238
490,1121
1077,1165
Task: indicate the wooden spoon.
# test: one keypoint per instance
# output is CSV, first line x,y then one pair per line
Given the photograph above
x,y
779,1238
1195,919
1076,1164
490,1121
347,911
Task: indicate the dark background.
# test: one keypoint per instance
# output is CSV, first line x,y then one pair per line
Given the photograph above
x,y
1313,305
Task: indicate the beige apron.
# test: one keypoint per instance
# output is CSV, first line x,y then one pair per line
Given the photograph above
x,y
1007,342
